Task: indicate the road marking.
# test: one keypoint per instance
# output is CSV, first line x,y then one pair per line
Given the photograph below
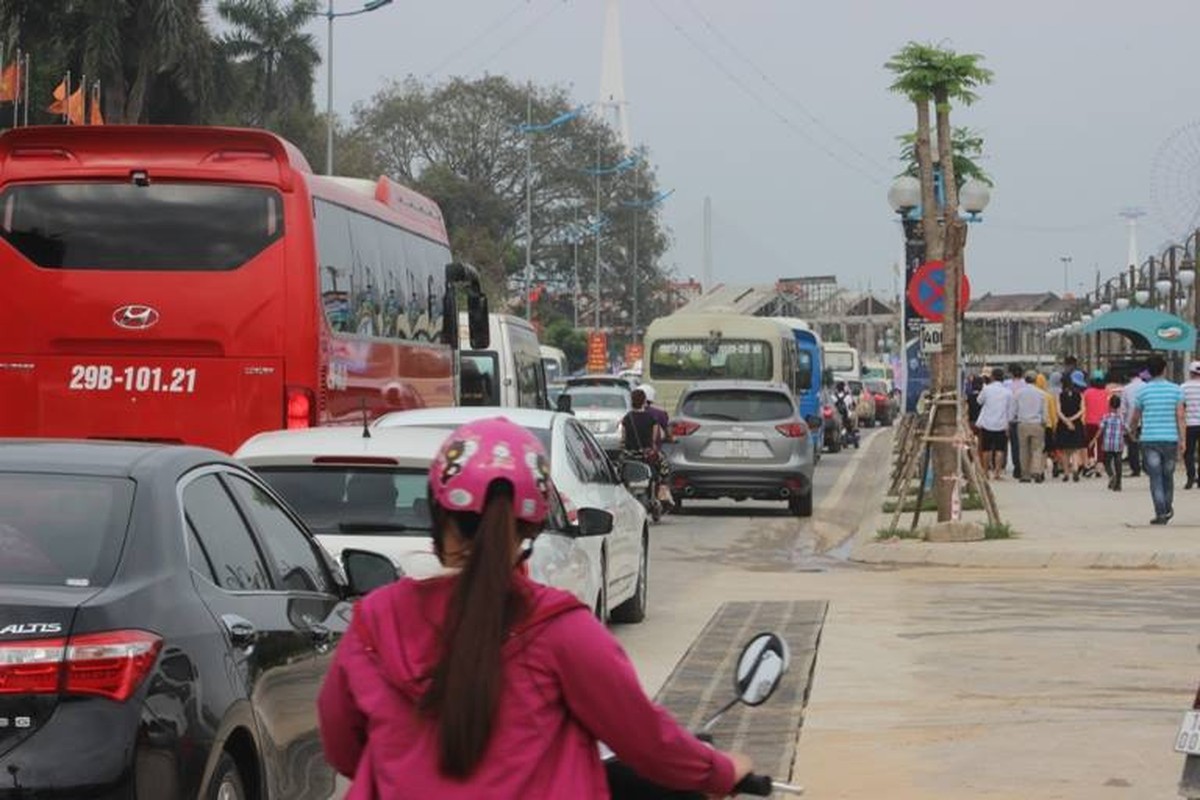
x,y
849,473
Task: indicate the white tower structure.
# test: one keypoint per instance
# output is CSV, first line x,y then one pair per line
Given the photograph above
x,y
612,74
1131,216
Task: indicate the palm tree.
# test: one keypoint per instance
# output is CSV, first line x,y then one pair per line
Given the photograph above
x,y
269,42
924,73
134,47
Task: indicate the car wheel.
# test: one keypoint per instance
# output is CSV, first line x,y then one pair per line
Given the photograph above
x,y
227,781
634,609
601,609
801,505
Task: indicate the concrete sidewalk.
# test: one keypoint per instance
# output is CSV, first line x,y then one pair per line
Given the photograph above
x,y
1077,525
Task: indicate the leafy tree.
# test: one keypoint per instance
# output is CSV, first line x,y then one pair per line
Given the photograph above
x,y
461,142
967,145
142,52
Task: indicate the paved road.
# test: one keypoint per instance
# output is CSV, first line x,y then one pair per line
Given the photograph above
x,y
941,684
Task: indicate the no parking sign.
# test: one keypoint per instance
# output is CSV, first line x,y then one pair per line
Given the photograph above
x,y
927,291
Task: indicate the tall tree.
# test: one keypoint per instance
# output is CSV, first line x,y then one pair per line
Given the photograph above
x,y
462,143
924,73
269,50
137,49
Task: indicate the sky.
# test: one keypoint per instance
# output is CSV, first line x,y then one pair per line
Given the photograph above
x,y
778,110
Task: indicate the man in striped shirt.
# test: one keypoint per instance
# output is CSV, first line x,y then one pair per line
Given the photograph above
x,y
1158,409
1191,408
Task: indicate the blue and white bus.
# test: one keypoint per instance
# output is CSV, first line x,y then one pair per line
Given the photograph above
x,y
809,372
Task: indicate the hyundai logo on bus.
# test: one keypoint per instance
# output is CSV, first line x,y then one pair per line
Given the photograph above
x,y
135,317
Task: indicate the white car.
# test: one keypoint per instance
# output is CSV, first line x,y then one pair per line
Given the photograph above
x,y
585,478
370,494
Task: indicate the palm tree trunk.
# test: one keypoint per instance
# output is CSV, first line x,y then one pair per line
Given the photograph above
x,y
955,232
929,215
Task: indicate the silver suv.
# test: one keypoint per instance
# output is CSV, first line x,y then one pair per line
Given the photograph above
x,y
741,439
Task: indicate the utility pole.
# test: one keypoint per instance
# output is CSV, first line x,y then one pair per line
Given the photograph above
x,y
1066,262
529,204
633,335
708,260
598,228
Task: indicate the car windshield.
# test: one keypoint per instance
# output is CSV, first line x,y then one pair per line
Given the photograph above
x,y
737,405
584,398
839,360
61,530
343,499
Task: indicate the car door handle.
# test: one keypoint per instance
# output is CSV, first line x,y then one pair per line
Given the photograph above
x,y
241,631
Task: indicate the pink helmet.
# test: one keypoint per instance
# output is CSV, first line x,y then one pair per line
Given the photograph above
x,y
487,450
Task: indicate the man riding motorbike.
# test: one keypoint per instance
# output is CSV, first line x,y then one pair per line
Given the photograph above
x,y
846,404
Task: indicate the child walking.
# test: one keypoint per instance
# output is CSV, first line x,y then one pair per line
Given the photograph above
x,y
1111,436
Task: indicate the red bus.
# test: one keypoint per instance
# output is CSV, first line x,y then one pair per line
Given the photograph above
x,y
200,285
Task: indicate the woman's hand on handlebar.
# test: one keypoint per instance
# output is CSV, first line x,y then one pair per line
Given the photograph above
x,y
742,766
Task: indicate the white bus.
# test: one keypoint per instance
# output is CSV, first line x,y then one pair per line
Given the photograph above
x,y
510,372
685,348
842,360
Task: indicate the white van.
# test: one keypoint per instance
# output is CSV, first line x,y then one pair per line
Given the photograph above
x,y
842,360
510,373
555,361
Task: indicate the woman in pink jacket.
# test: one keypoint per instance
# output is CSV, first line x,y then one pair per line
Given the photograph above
x,y
484,684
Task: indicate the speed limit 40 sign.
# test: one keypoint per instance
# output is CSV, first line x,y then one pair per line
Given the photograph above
x,y
931,337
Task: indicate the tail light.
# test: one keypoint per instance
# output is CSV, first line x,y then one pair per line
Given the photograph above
x,y
299,408
880,397
111,664
793,430
683,428
827,412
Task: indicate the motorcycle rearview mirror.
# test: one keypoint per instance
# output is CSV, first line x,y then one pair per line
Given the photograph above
x,y
764,661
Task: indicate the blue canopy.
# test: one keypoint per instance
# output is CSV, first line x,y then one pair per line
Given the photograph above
x,y
1146,328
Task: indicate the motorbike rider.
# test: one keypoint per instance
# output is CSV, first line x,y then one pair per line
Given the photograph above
x,y
845,403
664,423
483,683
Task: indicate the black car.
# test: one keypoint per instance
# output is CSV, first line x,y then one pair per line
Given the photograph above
x,y
165,623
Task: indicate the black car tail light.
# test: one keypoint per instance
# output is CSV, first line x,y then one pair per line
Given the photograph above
x,y
112,664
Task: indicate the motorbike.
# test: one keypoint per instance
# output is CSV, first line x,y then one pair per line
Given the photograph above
x,y
850,434
760,668
641,476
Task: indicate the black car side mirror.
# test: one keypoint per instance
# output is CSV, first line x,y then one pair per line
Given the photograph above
x,y
367,570
593,522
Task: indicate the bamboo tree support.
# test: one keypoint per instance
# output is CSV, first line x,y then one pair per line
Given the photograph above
x,y
915,450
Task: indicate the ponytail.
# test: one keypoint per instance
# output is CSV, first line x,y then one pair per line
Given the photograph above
x,y
467,680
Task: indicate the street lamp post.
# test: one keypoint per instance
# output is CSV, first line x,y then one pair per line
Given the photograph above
x,y
330,16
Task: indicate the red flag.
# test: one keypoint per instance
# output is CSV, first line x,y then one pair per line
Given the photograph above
x,y
10,83
75,114
95,117
60,95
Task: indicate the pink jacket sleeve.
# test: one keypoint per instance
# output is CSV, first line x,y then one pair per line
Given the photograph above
x,y
343,725
603,692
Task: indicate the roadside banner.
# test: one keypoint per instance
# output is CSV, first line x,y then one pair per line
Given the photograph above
x,y
597,352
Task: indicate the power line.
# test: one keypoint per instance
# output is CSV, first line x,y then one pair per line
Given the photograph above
x,y
758,98
475,40
518,36
767,79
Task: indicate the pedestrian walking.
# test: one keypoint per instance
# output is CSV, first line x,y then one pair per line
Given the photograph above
x,y
1095,404
1070,434
995,413
1191,407
1054,389
1015,383
1029,409
1051,421
1112,442
974,387
1128,394
1158,413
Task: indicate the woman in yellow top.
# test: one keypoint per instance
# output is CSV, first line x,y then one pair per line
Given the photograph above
x,y
1051,417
